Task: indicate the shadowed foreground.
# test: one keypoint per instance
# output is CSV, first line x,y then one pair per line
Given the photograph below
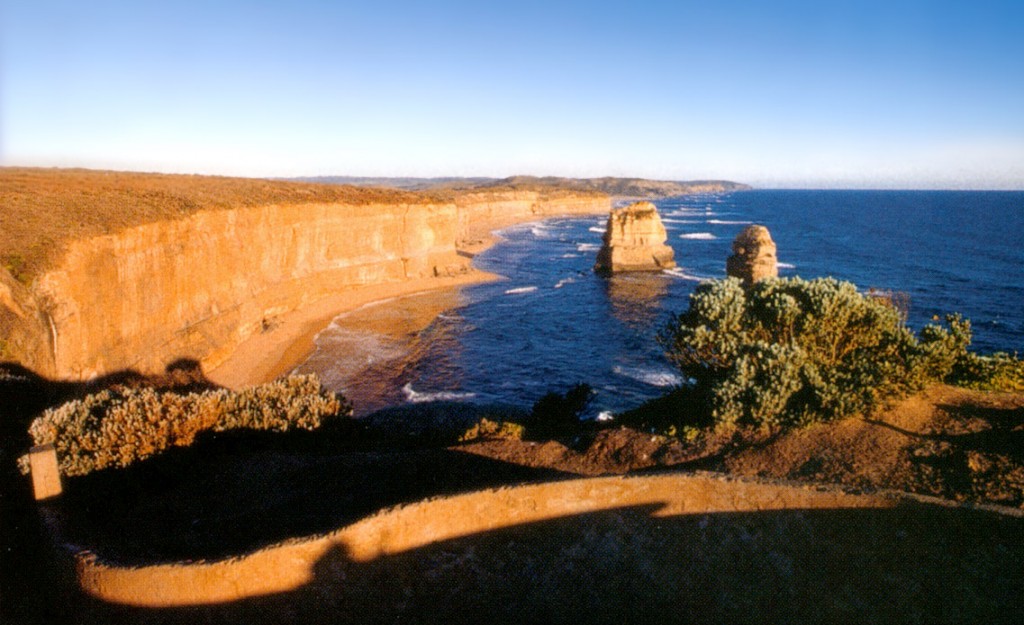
x,y
782,554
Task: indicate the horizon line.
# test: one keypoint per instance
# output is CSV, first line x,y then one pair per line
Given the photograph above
x,y
311,179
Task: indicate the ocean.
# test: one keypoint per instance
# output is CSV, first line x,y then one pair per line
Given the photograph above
x,y
553,323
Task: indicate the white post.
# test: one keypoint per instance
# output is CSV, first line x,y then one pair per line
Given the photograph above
x,y
45,474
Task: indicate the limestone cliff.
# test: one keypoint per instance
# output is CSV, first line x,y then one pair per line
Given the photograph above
x,y
753,256
634,240
197,286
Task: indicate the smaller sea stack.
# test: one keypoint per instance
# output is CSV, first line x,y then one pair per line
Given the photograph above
x,y
753,256
634,240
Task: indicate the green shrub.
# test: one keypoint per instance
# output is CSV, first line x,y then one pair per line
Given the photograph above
x,y
998,372
558,415
789,350
486,429
119,426
16,265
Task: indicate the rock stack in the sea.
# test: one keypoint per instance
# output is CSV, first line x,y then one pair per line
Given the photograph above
x,y
753,256
634,240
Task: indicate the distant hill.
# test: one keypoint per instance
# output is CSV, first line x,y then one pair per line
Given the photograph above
x,y
616,187
408,184
630,187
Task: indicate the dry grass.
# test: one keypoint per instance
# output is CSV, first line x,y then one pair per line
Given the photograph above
x,y
41,210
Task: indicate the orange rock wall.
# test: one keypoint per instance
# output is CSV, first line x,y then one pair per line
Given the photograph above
x,y
197,287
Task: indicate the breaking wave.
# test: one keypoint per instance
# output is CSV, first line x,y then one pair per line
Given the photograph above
x,y
652,377
415,397
698,236
679,272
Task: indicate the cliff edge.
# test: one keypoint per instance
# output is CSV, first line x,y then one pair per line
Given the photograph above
x,y
104,271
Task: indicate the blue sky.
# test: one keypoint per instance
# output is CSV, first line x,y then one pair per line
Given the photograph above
x,y
777,94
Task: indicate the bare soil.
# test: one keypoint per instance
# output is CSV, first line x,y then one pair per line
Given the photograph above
x,y
200,502
231,494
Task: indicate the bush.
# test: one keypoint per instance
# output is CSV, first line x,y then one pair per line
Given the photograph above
x,y
485,429
998,372
787,351
558,415
122,425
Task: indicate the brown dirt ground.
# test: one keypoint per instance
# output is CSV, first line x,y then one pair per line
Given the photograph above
x,y
231,494
947,442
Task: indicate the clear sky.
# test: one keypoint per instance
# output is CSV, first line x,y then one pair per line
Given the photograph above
x,y
794,94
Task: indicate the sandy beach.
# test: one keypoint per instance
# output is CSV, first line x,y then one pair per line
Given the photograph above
x,y
286,344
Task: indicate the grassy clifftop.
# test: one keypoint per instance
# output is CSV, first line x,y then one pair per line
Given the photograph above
x,y
43,209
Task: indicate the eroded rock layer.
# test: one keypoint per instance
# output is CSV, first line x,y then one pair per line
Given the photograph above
x,y
198,286
634,240
753,256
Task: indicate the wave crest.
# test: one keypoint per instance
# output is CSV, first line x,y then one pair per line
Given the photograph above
x,y
651,376
415,397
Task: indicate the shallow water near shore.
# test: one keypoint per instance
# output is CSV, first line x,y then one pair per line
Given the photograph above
x,y
553,322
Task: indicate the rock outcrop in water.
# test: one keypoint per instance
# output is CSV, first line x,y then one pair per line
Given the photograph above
x,y
753,256
634,240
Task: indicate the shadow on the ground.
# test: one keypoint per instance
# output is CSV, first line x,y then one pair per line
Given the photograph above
x,y
1004,434
221,498
24,572
913,563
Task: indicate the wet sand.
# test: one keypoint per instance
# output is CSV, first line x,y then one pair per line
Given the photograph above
x,y
280,348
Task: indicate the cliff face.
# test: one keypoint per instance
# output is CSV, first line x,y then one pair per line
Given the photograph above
x,y
198,286
634,240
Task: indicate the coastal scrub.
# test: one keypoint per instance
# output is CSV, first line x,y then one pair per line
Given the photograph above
x,y
122,425
789,351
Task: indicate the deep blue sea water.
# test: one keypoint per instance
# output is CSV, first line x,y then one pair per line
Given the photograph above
x,y
553,322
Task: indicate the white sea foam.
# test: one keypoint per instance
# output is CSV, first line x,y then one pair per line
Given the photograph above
x,y
679,272
605,415
415,397
564,281
570,255
698,236
653,377
522,289
725,222
596,229
587,247
785,266
669,220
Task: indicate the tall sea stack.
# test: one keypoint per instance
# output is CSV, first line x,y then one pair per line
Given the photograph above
x,y
634,240
753,256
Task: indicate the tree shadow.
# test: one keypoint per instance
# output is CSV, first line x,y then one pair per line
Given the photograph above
x,y
225,496
25,394
912,563
1004,434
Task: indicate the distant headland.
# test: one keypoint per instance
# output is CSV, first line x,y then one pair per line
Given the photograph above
x,y
638,188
